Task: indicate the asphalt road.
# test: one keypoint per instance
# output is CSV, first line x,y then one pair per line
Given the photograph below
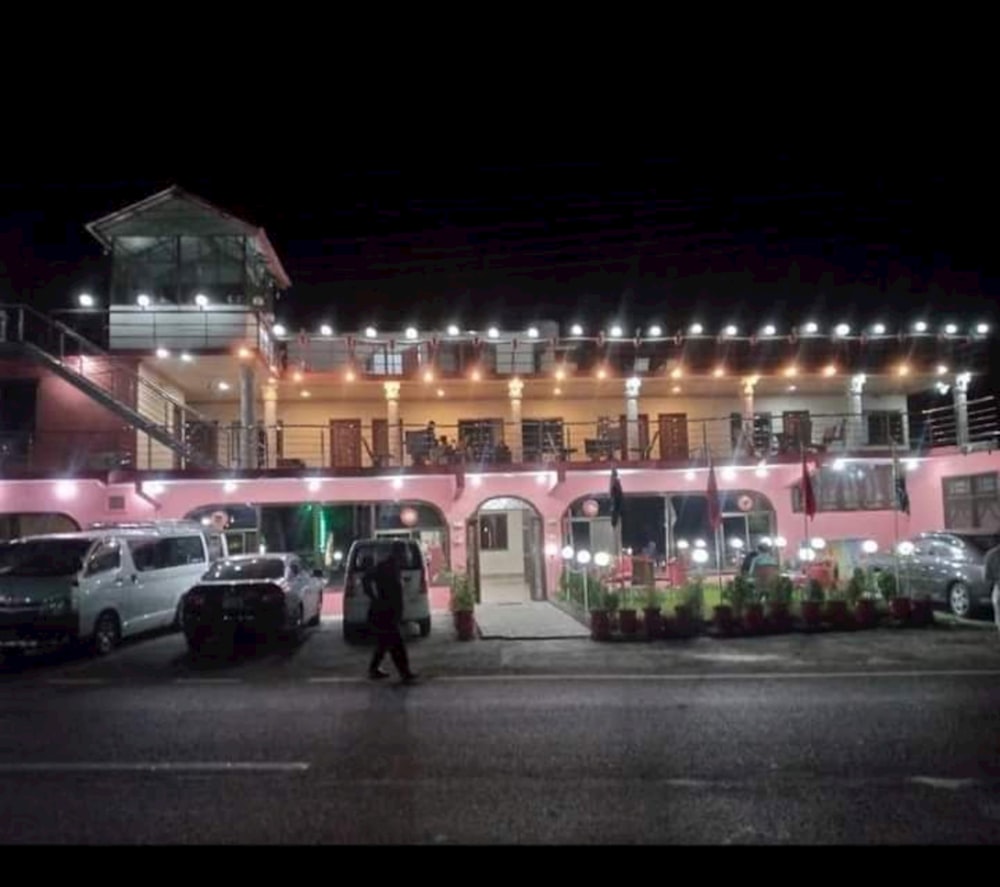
x,y
290,746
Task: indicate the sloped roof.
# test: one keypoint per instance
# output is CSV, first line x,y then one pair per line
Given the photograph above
x,y
178,211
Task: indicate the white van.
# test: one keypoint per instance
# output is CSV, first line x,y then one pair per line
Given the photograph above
x,y
364,554
100,585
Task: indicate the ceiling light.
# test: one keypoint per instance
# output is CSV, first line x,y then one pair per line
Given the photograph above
x,y
951,329
411,332
730,330
791,371
842,329
879,329
982,329
371,332
326,330
656,331
476,375
557,391
769,330
86,300
830,370
729,474
201,300
920,326
279,329
223,386
297,377
243,353
676,373
811,328
440,392
142,300
493,332
453,329
942,370
162,353
229,487
305,394
350,375
187,358
428,376
697,329
676,389
576,330
903,370
719,372
616,332
532,332
602,373
793,387
314,486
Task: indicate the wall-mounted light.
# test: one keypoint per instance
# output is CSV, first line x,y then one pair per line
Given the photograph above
x,y
655,331
142,300
576,330
371,332
951,329
616,332
811,328
162,353
769,330
411,332
326,330
86,300
279,330
187,358
879,329
920,326
842,329
201,300
696,329
532,332
730,330
453,329
493,332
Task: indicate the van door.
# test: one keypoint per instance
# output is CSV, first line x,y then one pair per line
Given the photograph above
x,y
143,585
103,585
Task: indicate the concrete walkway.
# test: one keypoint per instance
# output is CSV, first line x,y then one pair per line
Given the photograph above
x,y
531,620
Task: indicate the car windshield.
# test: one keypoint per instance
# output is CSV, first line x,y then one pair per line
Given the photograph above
x,y
252,568
44,557
369,554
981,543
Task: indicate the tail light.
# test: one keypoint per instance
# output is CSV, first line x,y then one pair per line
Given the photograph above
x,y
195,600
272,595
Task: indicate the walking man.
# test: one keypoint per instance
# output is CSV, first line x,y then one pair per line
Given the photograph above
x,y
993,581
384,587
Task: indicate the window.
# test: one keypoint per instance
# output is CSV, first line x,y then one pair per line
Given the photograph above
x,y
249,568
885,427
108,557
386,363
972,502
542,439
856,488
480,437
162,554
493,532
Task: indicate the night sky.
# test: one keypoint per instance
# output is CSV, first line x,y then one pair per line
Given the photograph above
x,y
509,240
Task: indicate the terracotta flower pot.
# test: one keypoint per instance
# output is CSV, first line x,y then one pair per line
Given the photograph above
x,y
921,612
753,618
465,625
899,609
628,622
653,622
779,618
600,625
812,614
837,614
722,619
865,614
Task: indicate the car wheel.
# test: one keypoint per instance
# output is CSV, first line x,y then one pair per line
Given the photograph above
x,y
107,633
959,599
293,633
425,626
319,613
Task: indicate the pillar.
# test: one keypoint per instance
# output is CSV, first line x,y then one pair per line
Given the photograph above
x,y
248,429
632,387
515,388
747,388
960,393
392,419
271,424
854,427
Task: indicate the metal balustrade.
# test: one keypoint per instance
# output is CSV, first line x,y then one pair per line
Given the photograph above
x,y
942,427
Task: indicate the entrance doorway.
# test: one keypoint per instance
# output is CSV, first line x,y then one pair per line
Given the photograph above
x,y
505,550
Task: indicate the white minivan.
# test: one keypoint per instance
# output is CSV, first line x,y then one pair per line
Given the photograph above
x,y
363,555
100,585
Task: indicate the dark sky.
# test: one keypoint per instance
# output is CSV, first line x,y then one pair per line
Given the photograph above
x,y
509,240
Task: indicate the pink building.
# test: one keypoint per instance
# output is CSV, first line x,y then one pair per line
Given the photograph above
x,y
179,394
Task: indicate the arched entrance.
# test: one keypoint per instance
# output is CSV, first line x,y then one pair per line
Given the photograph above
x,y
505,546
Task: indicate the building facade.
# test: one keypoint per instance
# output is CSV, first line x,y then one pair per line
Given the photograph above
x,y
179,393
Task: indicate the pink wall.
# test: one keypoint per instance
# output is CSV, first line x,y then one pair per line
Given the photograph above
x,y
89,501
61,412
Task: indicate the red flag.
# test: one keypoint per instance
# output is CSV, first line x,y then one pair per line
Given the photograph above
x,y
714,511
808,496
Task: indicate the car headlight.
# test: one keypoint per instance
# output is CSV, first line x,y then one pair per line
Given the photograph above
x,y
56,606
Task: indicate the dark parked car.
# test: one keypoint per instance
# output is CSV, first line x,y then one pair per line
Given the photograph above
x,y
947,567
271,595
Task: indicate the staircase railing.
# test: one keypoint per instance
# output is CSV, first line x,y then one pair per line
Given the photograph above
x,y
155,410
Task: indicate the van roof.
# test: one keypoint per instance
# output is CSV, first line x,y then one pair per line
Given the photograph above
x,y
162,527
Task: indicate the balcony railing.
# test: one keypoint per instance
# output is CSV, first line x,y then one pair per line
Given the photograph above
x,y
983,425
349,446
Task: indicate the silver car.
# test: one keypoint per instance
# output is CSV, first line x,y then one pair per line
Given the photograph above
x,y
947,567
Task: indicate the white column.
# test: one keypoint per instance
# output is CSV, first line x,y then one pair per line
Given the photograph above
x,y
271,424
515,388
961,399
248,431
747,387
632,387
854,427
392,418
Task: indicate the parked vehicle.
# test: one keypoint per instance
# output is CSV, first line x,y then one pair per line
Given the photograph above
x,y
946,567
270,595
98,586
364,554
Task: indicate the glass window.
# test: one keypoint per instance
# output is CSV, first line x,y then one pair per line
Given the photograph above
x,y
46,557
181,551
493,532
143,553
108,557
247,568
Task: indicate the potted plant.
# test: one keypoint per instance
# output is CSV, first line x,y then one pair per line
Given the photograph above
x,y
734,596
753,607
779,601
862,606
690,610
462,605
812,605
651,613
836,612
899,607
601,611
628,616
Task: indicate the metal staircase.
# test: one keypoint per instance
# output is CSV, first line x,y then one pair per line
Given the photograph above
x,y
104,378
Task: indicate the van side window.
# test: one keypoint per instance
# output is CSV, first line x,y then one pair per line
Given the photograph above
x,y
107,557
180,551
143,553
